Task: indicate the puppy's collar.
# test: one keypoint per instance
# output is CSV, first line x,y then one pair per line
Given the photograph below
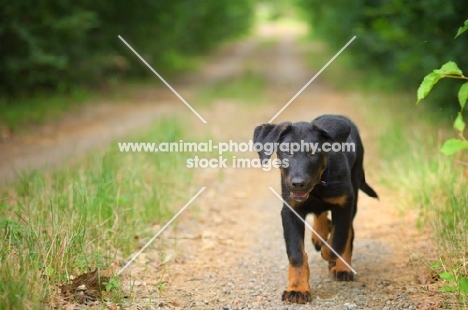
x,y
327,174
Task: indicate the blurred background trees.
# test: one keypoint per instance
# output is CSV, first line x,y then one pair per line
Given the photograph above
x,y
55,44
399,40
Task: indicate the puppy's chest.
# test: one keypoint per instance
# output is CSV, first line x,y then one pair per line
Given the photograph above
x,y
320,197
321,192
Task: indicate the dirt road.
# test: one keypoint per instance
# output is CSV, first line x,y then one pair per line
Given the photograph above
x,y
228,252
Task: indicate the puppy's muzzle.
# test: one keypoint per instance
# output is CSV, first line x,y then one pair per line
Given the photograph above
x,y
299,189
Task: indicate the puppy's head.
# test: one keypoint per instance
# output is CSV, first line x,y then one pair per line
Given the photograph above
x,y
300,147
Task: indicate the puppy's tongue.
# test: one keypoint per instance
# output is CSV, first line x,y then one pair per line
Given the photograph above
x,y
299,195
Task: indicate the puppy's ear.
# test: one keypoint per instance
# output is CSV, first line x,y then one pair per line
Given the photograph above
x,y
268,133
333,127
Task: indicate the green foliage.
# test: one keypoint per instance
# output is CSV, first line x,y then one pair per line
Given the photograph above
x,y
449,70
452,146
112,284
57,45
456,281
396,38
464,285
426,86
463,95
462,29
447,276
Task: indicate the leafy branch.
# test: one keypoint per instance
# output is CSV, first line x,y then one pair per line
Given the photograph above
x,y
449,70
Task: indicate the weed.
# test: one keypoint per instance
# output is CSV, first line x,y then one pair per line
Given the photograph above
x,y
113,284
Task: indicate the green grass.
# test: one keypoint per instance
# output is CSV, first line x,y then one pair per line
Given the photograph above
x,y
20,112
407,139
86,214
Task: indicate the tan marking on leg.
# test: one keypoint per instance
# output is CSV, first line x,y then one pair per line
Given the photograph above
x,y
298,290
322,225
340,271
326,253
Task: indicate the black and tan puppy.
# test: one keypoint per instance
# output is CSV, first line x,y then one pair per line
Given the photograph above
x,y
318,180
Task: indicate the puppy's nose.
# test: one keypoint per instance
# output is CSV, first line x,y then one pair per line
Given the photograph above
x,y
298,183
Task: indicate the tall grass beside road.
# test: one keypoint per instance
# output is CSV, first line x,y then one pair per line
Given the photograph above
x,y
87,214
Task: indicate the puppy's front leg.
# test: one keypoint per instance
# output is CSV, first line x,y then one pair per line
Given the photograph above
x,y
298,290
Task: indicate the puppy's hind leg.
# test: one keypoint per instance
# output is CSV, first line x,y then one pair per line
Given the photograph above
x,y
322,226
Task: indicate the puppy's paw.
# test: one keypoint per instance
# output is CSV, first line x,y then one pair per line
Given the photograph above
x,y
317,243
341,274
297,297
327,254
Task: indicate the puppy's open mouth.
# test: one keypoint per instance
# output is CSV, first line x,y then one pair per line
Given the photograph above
x,y
299,196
